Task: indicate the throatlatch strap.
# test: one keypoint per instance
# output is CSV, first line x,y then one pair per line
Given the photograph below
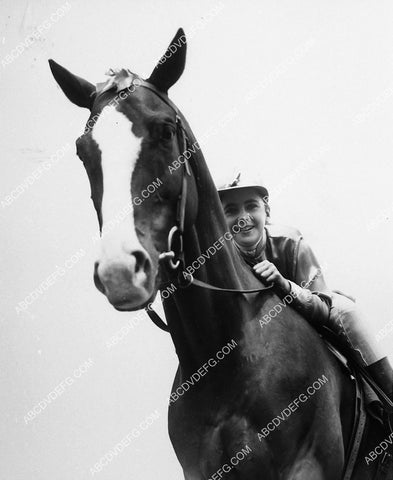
x,y
156,319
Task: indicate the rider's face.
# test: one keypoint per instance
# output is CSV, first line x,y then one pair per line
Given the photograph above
x,y
245,213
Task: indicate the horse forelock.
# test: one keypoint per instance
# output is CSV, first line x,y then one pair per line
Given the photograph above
x,y
118,79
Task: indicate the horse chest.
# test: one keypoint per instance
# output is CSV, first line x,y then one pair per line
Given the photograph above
x,y
212,445
214,435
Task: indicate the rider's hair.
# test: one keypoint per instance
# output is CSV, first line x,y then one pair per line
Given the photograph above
x,y
265,200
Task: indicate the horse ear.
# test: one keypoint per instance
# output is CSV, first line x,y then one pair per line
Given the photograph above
x,y
171,65
79,91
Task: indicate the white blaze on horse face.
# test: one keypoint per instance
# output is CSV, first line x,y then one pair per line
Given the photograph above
x,y
120,149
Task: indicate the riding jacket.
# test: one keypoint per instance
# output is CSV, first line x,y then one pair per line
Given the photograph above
x,y
294,259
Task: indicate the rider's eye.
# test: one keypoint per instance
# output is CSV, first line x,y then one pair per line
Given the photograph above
x,y
230,211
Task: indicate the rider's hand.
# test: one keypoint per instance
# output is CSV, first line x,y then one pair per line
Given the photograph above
x,y
269,273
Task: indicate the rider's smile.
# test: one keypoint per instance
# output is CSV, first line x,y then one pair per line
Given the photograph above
x,y
246,216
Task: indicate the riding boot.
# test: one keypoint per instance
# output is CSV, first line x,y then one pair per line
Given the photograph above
x,y
382,373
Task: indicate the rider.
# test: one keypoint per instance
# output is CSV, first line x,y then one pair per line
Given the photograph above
x,y
280,254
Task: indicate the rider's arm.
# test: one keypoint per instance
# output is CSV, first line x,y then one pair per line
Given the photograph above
x,y
314,306
306,286
311,296
307,270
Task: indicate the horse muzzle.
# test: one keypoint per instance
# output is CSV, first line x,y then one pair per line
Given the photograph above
x,y
127,280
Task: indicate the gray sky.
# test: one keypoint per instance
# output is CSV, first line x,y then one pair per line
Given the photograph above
x,y
298,93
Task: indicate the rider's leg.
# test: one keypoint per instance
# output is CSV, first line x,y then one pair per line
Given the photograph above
x,y
348,323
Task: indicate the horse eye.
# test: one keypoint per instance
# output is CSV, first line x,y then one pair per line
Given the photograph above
x,y
168,132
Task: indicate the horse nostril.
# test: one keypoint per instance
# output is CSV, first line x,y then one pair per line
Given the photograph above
x,y
142,262
97,280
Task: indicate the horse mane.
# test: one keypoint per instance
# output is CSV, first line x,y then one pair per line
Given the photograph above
x,y
209,201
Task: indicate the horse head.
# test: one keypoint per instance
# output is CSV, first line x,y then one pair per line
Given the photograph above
x,y
130,149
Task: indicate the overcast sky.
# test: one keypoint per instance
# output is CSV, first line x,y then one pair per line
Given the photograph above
x,y
297,93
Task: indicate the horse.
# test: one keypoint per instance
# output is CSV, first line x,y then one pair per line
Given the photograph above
x,y
249,400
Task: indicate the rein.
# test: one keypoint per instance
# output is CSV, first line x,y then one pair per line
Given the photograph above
x,y
159,322
173,259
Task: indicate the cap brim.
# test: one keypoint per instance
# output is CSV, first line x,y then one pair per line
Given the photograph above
x,y
261,190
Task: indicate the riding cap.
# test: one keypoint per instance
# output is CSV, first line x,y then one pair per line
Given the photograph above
x,y
238,184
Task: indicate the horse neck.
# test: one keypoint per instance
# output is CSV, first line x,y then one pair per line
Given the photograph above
x,y
203,321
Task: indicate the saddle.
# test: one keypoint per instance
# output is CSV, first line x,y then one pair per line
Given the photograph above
x,y
370,401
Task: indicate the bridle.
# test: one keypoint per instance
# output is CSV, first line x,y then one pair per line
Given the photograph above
x,y
175,259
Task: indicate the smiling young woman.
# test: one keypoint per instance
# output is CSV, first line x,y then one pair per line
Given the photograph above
x,y
280,255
